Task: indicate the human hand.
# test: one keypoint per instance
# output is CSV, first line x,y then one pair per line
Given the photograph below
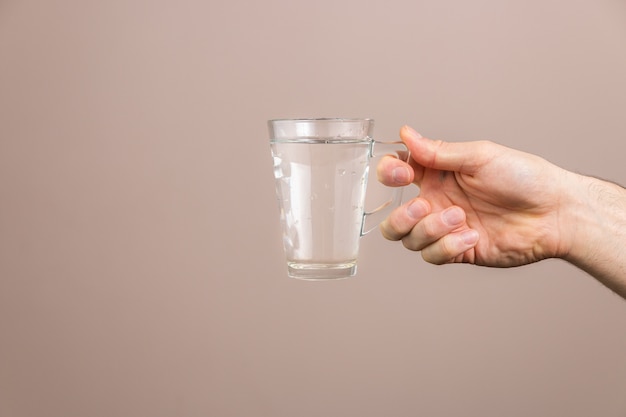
x,y
479,203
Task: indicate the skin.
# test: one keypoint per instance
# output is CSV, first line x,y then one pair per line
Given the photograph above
x,y
486,204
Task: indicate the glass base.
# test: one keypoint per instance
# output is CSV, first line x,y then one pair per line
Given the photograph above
x,y
320,272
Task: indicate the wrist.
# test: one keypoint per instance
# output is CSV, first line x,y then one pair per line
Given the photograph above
x,y
593,225
576,213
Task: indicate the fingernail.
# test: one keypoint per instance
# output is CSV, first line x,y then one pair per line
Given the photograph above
x,y
453,216
412,132
469,237
417,210
400,175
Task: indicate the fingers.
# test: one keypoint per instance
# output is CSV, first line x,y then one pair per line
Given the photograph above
x,y
465,157
444,236
441,236
393,172
433,227
451,247
402,220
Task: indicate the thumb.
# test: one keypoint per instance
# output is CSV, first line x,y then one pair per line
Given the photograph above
x,y
465,157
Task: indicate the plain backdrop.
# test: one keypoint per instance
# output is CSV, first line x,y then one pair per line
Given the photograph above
x,y
141,266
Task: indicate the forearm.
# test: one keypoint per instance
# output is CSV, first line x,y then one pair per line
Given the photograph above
x,y
596,219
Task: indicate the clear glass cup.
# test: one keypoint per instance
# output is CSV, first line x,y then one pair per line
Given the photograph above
x,y
321,169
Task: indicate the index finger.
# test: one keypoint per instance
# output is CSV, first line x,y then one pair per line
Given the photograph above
x,y
465,157
393,172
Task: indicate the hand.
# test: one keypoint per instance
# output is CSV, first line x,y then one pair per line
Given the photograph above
x,y
479,202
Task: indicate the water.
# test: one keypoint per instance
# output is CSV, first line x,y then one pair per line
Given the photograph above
x,y
320,188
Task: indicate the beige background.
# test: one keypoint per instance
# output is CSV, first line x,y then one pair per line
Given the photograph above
x,y
141,267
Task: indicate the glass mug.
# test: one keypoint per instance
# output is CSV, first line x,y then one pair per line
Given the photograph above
x,y
321,168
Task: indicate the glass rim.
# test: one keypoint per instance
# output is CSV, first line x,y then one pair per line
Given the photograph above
x,y
323,119
333,130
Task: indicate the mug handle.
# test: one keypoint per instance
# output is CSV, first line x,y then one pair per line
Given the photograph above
x,y
376,216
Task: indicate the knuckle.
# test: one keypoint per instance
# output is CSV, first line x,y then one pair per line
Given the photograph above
x,y
382,173
410,244
394,223
397,224
447,252
387,231
432,259
439,253
429,229
437,144
429,257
